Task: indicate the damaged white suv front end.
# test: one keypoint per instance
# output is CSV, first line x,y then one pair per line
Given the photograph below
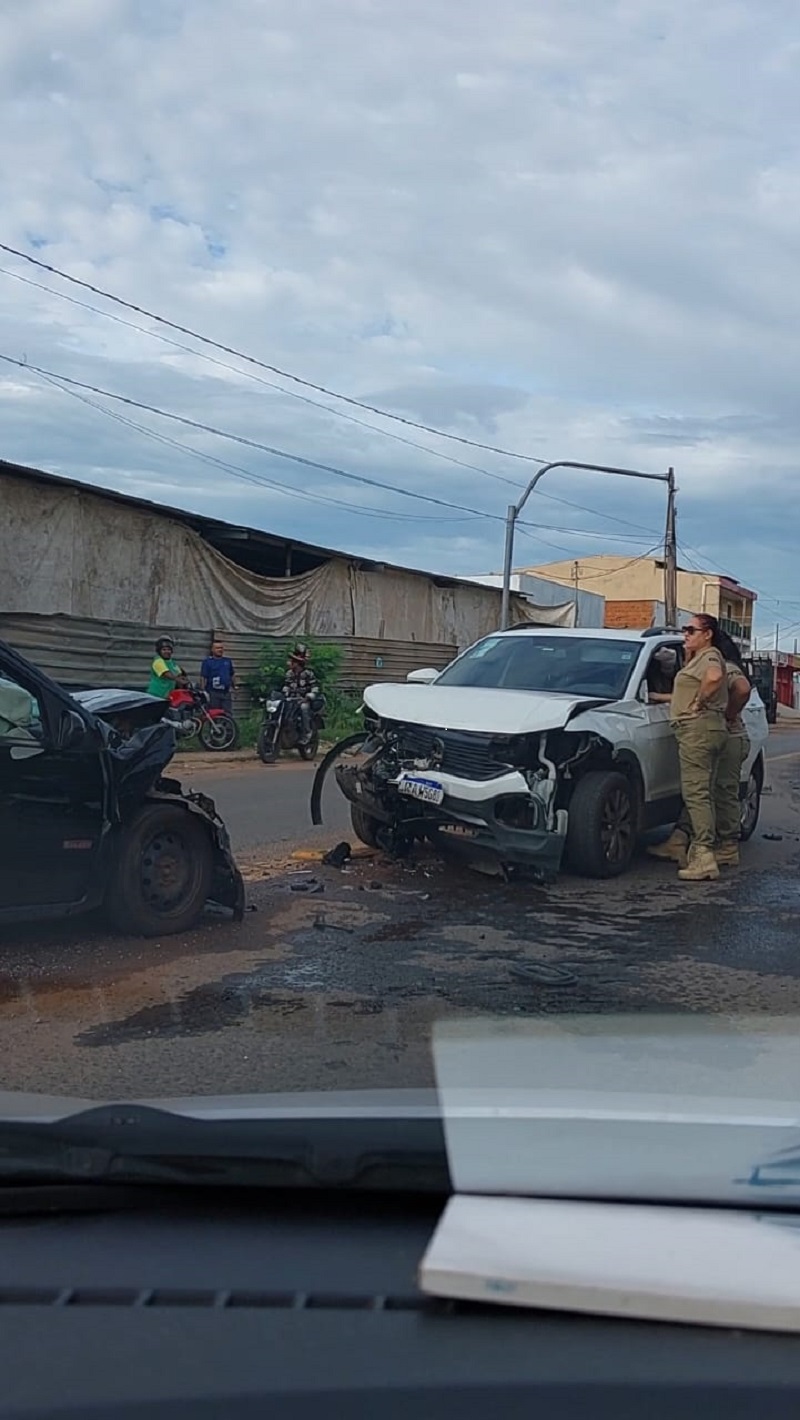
x,y
533,745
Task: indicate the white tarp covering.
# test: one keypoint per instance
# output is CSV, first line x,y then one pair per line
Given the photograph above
x,y
78,553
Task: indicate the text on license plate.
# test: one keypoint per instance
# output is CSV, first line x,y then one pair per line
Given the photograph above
x,y
425,789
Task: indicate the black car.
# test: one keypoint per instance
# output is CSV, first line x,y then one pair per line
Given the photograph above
x,y
87,818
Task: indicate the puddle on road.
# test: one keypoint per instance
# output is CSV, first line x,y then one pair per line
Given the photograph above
x,y
334,969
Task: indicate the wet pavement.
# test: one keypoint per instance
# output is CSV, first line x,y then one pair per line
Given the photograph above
x,y
335,977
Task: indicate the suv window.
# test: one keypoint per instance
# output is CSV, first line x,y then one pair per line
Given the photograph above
x,y
662,668
570,665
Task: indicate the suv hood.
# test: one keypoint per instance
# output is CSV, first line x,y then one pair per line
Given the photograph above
x,y
457,707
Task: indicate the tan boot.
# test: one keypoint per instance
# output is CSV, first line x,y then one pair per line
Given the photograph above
x,y
701,868
673,850
727,855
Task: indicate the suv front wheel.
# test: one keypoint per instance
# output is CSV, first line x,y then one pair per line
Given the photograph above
x,y
601,835
162,874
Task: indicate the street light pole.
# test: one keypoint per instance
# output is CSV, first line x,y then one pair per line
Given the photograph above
x,y
514,510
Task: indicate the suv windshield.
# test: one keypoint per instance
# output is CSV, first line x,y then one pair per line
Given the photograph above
x,y
574,665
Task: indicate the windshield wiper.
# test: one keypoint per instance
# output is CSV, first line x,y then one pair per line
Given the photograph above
x,y
137,1144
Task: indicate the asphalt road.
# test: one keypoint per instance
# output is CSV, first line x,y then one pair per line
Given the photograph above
x,y
339,985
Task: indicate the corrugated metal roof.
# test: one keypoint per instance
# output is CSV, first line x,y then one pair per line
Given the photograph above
x,y
230,538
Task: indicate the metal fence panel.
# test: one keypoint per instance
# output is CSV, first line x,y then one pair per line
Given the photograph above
x,y
80,653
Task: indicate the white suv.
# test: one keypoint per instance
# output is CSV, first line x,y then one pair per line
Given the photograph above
x,y
532,745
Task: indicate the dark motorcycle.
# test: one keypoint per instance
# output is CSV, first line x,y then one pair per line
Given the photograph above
x,y
282,727
191,712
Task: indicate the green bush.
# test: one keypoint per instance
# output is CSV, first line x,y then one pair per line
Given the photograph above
x,y
342,715
325,660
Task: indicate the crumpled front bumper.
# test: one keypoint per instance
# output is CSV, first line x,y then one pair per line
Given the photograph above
x,y
467,816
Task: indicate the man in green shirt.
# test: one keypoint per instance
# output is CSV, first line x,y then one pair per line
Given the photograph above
x,y
165,672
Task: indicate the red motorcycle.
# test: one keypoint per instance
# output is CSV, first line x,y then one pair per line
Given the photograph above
x,y
193,715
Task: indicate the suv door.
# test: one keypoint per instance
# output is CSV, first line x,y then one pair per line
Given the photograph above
x,y
52,798
659,755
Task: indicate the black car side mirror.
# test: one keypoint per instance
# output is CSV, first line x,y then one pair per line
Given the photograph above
x,y
71,731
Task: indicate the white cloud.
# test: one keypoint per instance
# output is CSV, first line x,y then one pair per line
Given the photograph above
x,y
569,229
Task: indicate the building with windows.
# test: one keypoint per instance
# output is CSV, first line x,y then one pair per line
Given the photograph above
x,y
641,579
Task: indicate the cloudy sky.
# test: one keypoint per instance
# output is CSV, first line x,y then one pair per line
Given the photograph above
x,y
565,228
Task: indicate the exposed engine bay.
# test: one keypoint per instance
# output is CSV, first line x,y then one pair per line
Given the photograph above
x,y
502,795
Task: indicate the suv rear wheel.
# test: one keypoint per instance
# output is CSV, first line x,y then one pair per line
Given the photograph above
x,y
751,802
601,836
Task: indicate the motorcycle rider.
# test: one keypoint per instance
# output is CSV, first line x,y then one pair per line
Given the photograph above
x,y
165,671
300,685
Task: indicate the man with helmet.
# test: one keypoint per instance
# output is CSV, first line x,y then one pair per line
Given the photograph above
x,y
165,671
300,685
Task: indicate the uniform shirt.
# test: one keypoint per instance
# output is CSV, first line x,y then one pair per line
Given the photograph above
x,y
218,673
298,684
160,684
736,726
687,686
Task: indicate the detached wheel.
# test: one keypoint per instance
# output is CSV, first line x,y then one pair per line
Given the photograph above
x,y
601,835
266,747
365,826
162,874
221,733
309,751
751,803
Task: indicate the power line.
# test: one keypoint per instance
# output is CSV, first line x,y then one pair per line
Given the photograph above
x,y
68,385
248,443
316,404
263,364
259,379
249,475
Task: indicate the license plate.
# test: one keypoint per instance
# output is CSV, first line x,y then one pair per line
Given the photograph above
x,y
425,789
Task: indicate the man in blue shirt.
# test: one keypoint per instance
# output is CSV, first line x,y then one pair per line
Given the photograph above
x,y
218,677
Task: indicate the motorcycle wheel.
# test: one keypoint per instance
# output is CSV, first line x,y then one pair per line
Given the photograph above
x,y
219,733
266,748
309,751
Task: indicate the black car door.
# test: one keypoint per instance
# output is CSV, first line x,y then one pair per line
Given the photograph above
x,y
52,796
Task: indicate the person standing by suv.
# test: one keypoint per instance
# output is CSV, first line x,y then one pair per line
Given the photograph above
x,y
698,711
218,678
735,750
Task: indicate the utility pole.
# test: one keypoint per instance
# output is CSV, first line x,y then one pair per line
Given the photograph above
x,y
514,509
777,638
671,557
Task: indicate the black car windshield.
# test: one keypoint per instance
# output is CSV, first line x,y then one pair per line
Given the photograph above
x,y
572,665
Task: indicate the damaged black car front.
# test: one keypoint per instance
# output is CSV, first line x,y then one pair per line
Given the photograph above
x,y
88,818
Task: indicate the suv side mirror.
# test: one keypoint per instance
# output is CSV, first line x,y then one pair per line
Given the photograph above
x,y
71,730
422,677
644,694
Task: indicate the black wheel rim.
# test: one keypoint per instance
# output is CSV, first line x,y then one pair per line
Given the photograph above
x,y
616,827
170,873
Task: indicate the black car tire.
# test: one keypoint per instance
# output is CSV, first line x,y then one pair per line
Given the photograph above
x,y
162,873
266,747
751,801
365,826
601,834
